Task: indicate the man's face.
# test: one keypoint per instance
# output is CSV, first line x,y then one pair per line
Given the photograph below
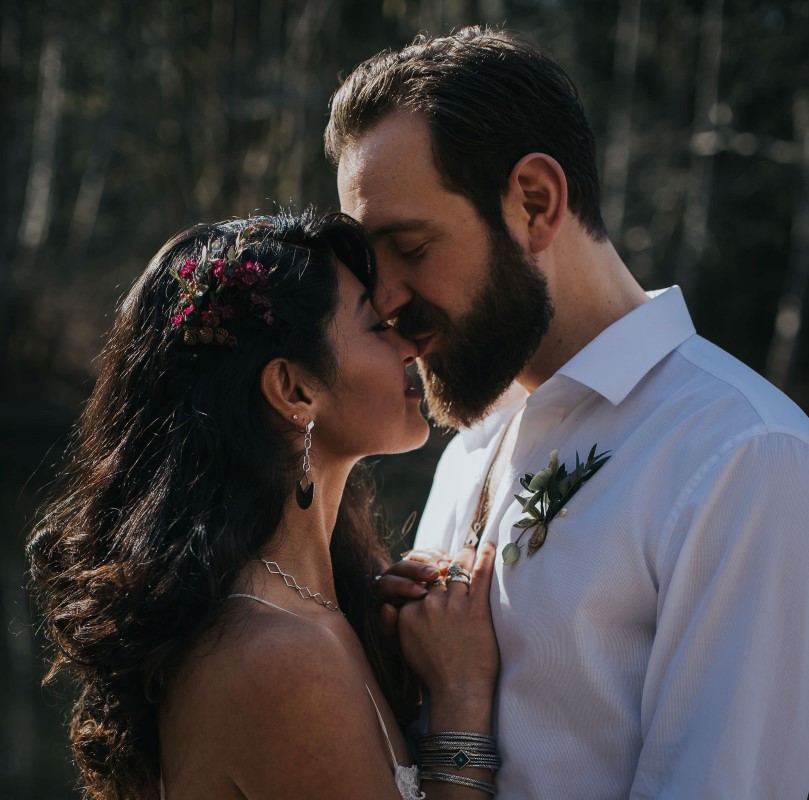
x,y
474,303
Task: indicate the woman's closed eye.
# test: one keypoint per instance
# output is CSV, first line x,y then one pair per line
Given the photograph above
x,y
382,326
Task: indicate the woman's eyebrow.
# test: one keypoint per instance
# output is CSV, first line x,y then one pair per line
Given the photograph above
x,y
364,298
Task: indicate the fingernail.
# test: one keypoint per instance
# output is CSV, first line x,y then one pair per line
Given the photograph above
x,y
422,591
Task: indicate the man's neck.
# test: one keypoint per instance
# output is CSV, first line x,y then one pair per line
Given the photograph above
x,y
591,289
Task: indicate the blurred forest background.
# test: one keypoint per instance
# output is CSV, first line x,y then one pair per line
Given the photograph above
x,y
124,121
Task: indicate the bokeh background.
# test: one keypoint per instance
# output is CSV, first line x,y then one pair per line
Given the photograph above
x,y
125,120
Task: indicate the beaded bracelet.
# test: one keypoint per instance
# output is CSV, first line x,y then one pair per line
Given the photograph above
x,y
460,780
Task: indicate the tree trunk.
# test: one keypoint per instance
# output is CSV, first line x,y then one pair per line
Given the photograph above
x,y
697,201
619,123
39,187
782,359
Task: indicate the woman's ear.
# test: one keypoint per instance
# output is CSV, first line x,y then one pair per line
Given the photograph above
x,y
288,389
536,200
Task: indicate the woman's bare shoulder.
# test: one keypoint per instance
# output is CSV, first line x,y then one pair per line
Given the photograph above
x,y
283,697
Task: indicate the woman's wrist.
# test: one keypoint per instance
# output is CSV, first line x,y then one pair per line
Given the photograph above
x,y
464,711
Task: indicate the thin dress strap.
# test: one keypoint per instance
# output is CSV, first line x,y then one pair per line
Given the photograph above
x,y
263,602
384,730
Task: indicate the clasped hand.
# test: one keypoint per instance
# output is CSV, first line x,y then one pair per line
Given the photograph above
x,y
445,631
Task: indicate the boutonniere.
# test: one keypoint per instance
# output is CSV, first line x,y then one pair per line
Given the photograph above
x,y
548,491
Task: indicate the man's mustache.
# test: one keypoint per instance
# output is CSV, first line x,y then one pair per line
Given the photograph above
x,y
420,317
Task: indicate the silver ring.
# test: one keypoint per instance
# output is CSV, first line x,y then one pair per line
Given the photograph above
x,y
457,569
460,579
437,582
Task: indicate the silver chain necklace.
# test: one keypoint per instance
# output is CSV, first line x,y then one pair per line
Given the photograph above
x,y
304,591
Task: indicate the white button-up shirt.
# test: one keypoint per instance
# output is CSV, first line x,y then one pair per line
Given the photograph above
x,y
657,645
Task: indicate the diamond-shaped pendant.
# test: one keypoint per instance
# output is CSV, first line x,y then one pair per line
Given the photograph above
x,y
303,494
460,759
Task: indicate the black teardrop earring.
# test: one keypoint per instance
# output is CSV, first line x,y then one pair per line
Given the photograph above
x,y
305,488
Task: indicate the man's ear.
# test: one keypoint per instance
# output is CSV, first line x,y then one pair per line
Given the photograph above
x,y
289,390
536,200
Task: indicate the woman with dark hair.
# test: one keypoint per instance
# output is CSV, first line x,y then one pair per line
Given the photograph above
x,y
205,574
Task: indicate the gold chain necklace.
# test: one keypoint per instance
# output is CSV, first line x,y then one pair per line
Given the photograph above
x,y
490,485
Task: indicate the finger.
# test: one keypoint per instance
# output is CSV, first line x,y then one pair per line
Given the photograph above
x,y
435,557
414,570
388,620
464,559
390,587
483,570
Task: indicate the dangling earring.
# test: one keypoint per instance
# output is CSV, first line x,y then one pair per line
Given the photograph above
x,y
305,488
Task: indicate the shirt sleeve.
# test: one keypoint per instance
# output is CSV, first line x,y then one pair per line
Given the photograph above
x,y
725,705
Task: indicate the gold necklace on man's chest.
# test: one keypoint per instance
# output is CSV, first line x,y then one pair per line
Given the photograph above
x,y
490,483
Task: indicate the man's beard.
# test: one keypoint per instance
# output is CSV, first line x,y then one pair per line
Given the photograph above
x,y
482,354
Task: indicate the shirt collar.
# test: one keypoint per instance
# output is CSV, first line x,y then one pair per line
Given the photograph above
x,y
624,353
611,365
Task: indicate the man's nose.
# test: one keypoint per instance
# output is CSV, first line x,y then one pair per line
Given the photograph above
x,y
390,294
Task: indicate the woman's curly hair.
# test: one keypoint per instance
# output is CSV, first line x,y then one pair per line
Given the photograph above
x,y
176,479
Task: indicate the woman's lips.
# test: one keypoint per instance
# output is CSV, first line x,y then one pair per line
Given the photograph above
x,y
410,390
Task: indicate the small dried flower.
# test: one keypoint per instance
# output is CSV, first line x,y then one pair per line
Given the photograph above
x,y
188,270
202,281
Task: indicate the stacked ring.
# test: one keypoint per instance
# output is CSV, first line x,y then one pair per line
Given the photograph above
x,y
437,582
457,574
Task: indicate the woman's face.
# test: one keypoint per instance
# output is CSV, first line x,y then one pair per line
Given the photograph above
x,y
372,407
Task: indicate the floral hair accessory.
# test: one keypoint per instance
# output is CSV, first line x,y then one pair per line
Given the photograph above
x,y
200,310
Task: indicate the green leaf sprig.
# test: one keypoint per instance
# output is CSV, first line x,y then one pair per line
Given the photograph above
x,y
548,491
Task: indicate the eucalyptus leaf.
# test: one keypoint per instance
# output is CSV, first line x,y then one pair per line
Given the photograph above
x,y
510,553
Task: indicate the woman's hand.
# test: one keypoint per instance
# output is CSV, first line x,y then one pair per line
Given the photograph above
x,y
448,637
407,580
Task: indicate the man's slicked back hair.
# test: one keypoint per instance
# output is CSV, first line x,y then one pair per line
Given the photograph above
x,y
489,96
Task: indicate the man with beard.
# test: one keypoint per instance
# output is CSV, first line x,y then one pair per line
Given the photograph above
x,y
651,604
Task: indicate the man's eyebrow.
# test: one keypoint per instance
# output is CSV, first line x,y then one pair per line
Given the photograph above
x,y
399,226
